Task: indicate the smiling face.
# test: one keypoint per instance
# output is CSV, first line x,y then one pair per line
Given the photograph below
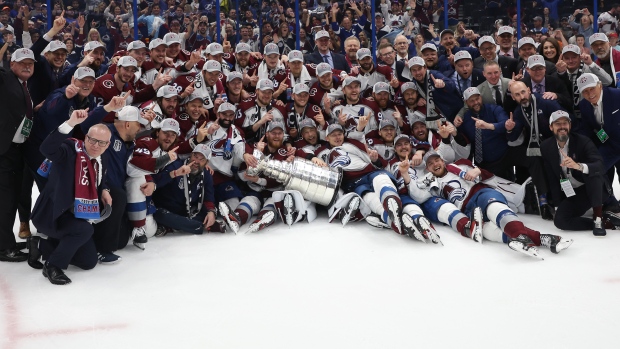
x,y
474,103
352,92
560,129
57,58
520,93
430,57
336,138
301,99
599,48
549,50
403,148
85,85
275,138
23,69
593,94
166,139
572,60
310,135
169,105
419,131
436,166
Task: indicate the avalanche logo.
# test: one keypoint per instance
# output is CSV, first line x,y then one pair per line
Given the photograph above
x,y
312,92
215,151
453,191
282,152
339,158
108,83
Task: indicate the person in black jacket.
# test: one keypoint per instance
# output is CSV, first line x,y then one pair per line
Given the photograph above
x,y
15,127
323,54
576,177
63,212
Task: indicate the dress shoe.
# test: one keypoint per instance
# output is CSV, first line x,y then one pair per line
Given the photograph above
x,y
13,255
547,212
33,252
24,230
55,275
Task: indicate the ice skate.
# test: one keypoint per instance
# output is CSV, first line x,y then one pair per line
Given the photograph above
x,y
524,244
375,221
428,230
231,218
393,208
411,229
555,243
262,222
139,239
349,212
474,226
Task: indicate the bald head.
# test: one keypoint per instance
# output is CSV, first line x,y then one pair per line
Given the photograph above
x,y
97,140
520,93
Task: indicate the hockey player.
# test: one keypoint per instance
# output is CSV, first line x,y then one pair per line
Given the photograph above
x,y
190,122
354,107
299,109
369,74
298,72
465,187
149,156
164,106
272,69
243,61
362,174
326,90
257,112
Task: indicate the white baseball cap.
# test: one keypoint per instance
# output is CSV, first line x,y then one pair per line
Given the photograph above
x,y
271,49
227,107
572,48
92,45
408,86
349,80
587,80
505,30
212,66
322,69
471,91
321,34
598,37
557,115
264,85
171,125
131,113
167,91
275,124
172,38
243,47
363,52
56,45
429,46
416,61
300,88
204,150
526,41
215,49
535,60
334,127
127,61
295,56
136,45
21,54
484,39
156,43
381,87
83,72
234,75
462,55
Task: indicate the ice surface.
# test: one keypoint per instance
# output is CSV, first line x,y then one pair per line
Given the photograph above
x,y
323,286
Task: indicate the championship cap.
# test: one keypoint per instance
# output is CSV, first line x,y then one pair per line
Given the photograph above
x,y
410,85
484,39
204,150
21,54
428,46
300,88
505,30
275,124
156,43
212,66
401,137
598,37
462,55
131,113
227,107
295,56
136,45
215,48
535,60
234,75
83,72
526,41
191,97
271,49
127,61
387,122
264,85
334,127
444,32
171,125
470,92
321,34
167,91
172,38
243,47
363,52
307,122
416,61
349,80
56,45
587,80
92,45
381,87
557,115
431,155
572,48
322,69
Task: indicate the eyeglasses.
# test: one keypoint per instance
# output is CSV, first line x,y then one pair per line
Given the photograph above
x,y
387,54
94,141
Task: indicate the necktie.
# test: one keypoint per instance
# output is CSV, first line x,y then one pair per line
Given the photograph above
x,y
540,89
403,60
498,95
327,60
478,150
28,101
95,168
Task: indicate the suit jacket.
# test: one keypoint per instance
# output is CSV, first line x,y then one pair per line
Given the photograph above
x,y
553,83
610,150
476,79
515,53
544,109
58,196
340,62
488,94
582,150
548,65
13,101
506,64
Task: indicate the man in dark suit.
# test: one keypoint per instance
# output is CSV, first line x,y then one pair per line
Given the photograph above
x,y
465,75
323,54
69,204
488,52
549,86
576,177
505,37
15,127
527,47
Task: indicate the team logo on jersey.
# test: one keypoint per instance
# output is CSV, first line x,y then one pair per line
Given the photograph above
x,y
216,151
108,83
339,158
316,109
117,145
453,191
282,152
312,91
184,116
229,188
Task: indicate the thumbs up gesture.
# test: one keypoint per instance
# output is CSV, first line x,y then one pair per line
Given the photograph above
x,y
438,83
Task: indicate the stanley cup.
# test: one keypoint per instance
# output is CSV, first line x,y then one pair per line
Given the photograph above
x,y
316,184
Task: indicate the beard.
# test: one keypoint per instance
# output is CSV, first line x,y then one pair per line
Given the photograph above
x,y
562,137
225,123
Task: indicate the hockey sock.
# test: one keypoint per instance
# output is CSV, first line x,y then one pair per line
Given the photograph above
x,y
372,200
247,207
413,210
452,216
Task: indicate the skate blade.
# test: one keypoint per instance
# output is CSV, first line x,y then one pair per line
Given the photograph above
x,y
519,247
562,245
408,224
140,245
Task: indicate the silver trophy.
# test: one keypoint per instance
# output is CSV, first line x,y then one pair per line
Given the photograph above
x,y
316,184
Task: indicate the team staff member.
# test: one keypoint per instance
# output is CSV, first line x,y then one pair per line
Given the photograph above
x,y
576,177
15,127
66,208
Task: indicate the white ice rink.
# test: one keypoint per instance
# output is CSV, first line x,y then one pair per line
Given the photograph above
x,y
323,286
